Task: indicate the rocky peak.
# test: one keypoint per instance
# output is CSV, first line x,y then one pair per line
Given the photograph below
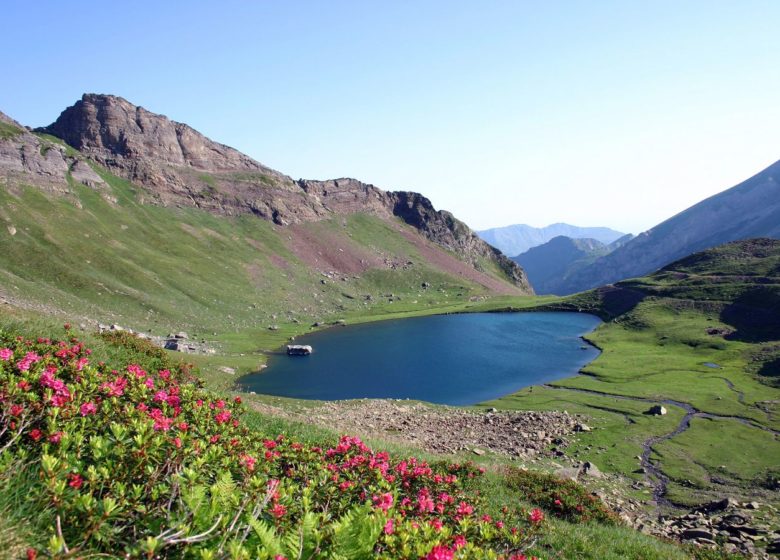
x,y
108,128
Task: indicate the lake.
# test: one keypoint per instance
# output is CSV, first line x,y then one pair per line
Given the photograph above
x,y
448,359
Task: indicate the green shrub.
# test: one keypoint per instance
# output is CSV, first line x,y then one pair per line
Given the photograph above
x,y
128,460
563,498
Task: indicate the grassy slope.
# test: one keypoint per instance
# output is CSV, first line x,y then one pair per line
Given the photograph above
x,y
657,351
157,269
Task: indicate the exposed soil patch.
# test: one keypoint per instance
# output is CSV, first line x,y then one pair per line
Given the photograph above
x,y
443,429
329,251
449,264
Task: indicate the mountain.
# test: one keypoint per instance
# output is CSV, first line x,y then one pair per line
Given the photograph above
x,y
748,210
113,211
546,264
517,239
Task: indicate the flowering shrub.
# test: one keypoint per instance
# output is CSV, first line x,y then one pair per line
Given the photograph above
x,y
146,463
564,498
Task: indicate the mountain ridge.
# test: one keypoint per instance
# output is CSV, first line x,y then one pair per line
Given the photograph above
x,y
177,165
750,209
516,239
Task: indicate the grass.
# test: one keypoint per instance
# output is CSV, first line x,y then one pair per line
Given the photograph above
x,y
660,331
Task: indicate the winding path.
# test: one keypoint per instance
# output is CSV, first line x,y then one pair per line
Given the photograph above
x,y
653,473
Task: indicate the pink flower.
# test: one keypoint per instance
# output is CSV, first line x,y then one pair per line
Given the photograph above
x,y
59,400
81,363
16,409
163,424
389,527
458,541
248,462
384,501
440,552
88,409
136,370
465,509
536,516
278,510
222,417
36,434
29,359
56,437
6,354
75,480
177,442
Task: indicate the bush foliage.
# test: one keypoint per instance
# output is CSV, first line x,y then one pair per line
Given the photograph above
x,y
137,459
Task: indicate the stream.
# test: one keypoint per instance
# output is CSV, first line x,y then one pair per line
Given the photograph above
x,y
653,473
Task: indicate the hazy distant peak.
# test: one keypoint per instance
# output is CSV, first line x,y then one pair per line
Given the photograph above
x,y
518,238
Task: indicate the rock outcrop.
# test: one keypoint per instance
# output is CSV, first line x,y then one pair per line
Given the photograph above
x,y
24,155
178,166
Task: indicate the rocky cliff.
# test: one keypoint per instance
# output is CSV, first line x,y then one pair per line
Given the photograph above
x,y
177,166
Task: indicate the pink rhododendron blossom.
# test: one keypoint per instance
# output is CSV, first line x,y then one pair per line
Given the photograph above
x,y
248,462
6,354
278,510
440,552
29,359
383,501
75,480
389,527
88,408
458,541
222,417
536,516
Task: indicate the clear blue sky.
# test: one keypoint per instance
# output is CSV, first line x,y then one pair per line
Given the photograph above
x,y
594,113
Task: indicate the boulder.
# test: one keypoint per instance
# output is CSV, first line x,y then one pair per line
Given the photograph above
x,y
589,469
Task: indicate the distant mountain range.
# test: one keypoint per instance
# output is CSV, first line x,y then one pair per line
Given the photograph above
x,y
516,239
748,210
549,264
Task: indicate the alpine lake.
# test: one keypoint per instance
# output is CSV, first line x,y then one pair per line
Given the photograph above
x,y
460,359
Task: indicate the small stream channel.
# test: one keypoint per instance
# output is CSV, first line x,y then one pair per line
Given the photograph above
x,y
653,473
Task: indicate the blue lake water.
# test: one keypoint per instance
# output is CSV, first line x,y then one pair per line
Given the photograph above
x,y
449,359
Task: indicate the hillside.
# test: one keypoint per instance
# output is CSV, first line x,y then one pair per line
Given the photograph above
x,y
519,238
547,264
115,214
750,209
